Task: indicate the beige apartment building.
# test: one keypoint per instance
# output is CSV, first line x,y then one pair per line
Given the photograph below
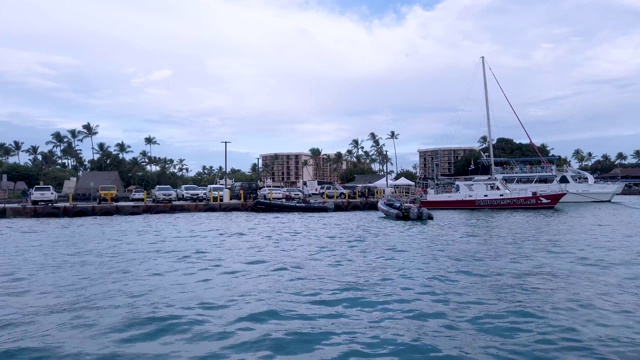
x,y
438,162
287,169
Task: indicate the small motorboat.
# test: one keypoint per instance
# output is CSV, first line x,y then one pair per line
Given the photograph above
x,y
291,206
402,210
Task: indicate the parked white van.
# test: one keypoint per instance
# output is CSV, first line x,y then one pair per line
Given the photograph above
x,y
218,191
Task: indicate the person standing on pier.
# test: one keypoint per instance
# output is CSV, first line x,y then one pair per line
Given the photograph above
x,y
25,196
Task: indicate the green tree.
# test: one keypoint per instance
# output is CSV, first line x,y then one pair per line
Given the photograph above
x,y
315,154
33,151
621,158
483,141
578,156
410,175
58,140
636,156
393,136
89,131
122,149
16,147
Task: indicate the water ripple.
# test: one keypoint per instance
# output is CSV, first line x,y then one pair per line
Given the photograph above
x,y
477,284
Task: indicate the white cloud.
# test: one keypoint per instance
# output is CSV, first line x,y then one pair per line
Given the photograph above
x,y
297,74
154,76
159,75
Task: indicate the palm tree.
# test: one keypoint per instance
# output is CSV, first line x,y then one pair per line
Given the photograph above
x,y
377,150
393,137
145,159
578,156
102,149
3,148
89,131
150,140
636,155
357,146
305,165
57,140
588,157
122,148
33,151
483,141
620,157
316,153
337,162
384,160
67,152
75,136
16,147
181,166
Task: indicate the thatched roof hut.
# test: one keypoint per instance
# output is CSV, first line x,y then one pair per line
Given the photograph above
x,y
84,184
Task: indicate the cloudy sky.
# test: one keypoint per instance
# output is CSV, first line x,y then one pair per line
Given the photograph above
x,y
288,75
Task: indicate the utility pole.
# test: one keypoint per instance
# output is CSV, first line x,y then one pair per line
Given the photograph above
x,y
225,161
258,163
386,163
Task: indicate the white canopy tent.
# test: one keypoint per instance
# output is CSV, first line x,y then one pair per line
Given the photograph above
x,y
403,182
382,183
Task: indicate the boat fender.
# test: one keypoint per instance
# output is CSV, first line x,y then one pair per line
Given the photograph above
x,y
50,213
106,212
413,213
233,208
79,212
338,207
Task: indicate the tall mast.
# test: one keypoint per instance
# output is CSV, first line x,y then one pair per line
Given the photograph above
x,y
486,103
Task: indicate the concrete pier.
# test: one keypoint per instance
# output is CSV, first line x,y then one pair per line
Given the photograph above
x,y
11,211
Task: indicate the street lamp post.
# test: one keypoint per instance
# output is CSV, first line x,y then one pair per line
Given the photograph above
x,y
225,161
258,164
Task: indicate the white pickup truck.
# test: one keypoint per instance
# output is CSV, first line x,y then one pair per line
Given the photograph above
x,y
43,194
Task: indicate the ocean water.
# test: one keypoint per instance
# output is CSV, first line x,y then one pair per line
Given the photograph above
x,y
548,284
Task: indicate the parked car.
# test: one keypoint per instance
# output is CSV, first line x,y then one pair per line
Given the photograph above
x,y
107,193
136,195
43,194
353,190
249,189
190,192
215,192
163,193
294,193
332,191
271,193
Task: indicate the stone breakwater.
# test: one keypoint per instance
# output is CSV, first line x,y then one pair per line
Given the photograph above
x,y
83,209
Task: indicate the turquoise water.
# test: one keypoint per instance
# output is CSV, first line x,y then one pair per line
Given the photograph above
x,y
561,283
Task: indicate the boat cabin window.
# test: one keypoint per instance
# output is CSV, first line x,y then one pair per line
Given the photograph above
x,y
564,180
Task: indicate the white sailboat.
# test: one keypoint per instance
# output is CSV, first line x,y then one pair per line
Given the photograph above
x,y
489,193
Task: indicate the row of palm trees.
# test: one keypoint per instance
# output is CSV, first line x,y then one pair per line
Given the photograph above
x,y
356,156
65,154
588,158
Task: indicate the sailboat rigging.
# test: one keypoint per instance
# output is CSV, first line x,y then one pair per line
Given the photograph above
x,y
490,193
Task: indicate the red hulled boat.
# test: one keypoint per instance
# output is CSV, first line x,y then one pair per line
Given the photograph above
x,y
488,194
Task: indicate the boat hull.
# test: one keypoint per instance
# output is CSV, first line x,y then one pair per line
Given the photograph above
x,y
576,193
454,201
410,213
279,206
